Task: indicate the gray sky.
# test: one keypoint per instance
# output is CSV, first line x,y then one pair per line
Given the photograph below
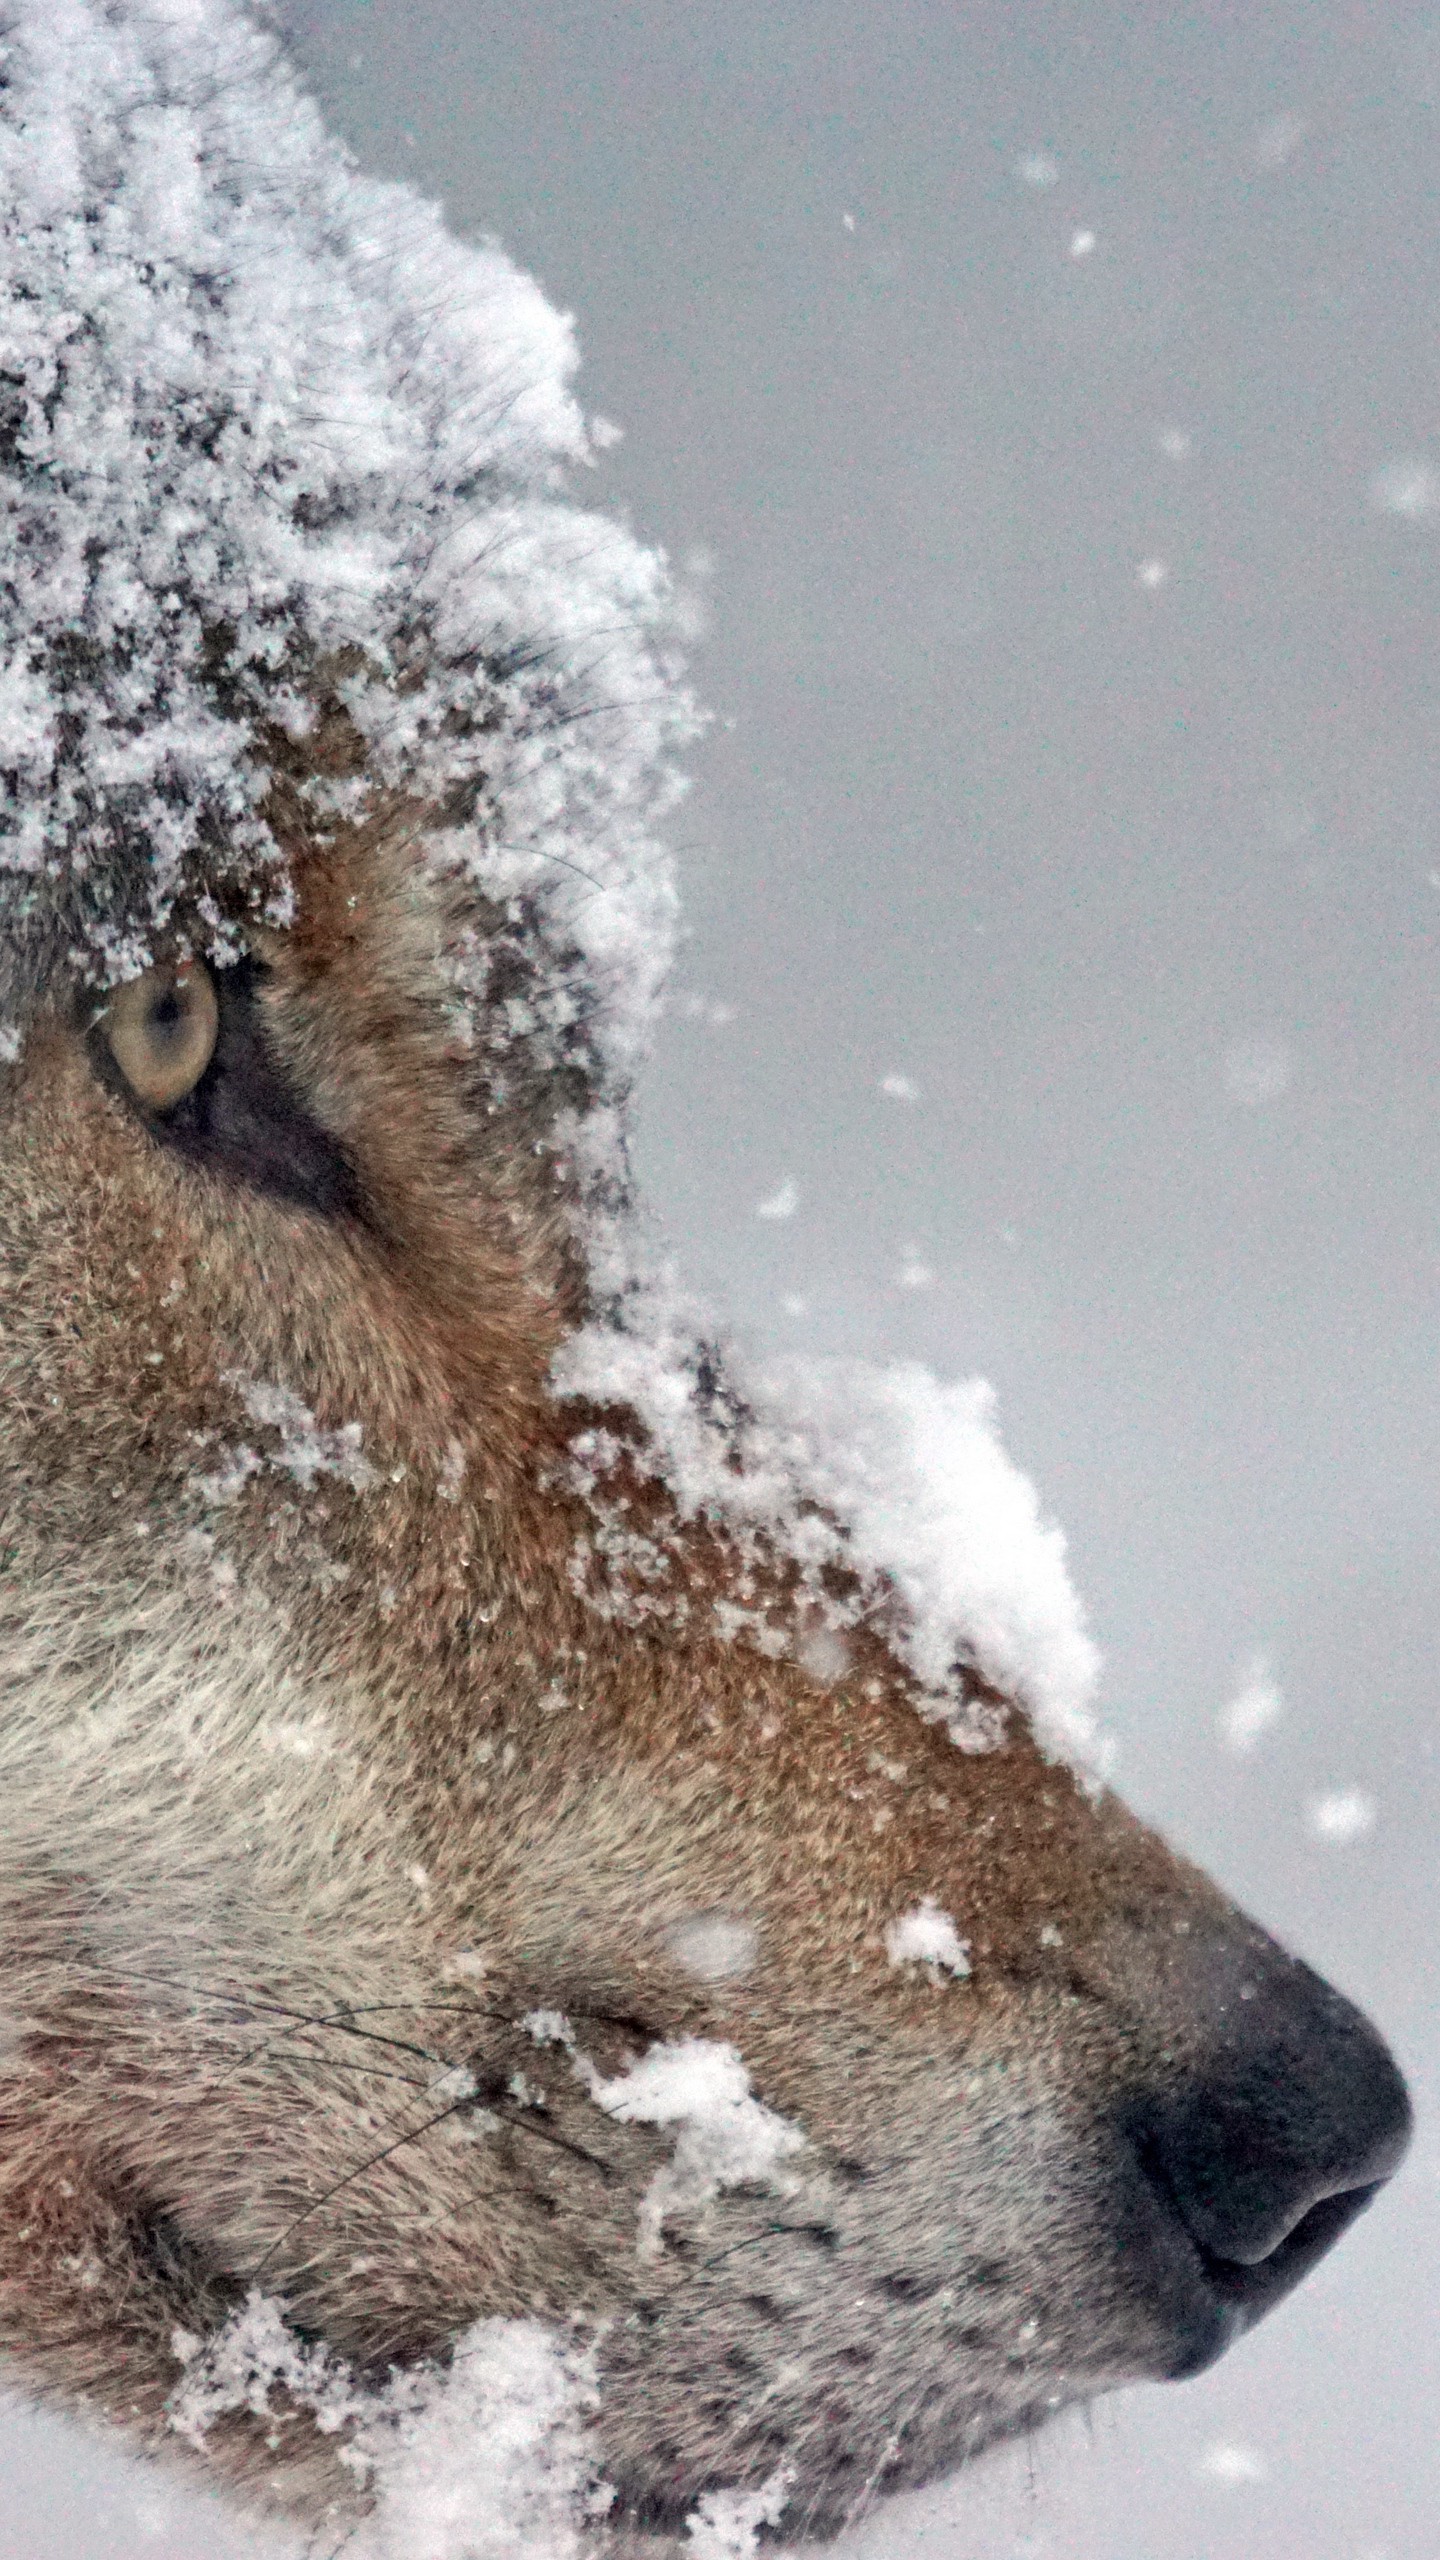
x,y
1043,406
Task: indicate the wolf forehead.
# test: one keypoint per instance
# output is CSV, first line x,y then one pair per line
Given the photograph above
x,y
286,534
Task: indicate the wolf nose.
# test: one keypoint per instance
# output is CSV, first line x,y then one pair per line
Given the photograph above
x,y
1279,2134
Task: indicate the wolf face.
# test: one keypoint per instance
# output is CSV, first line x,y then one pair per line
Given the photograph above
x,y
406,1924
510,1846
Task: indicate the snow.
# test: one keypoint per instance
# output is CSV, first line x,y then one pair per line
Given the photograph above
x,y
1257,1704
1257,1069
1408,487
494,2460
1279,138
724,2136
713,1946
698,2089
931,1500
933,1504
547,2026
914,1272
490,2456
483,2459
1237,2465
727,2522
244,2362
927,1935
306,1449
1340,1817
275,439
933,1510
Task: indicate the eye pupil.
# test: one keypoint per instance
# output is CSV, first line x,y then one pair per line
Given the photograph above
x,y
175,1017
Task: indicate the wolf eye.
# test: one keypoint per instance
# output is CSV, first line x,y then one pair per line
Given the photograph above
x,y
191,1052
162,1030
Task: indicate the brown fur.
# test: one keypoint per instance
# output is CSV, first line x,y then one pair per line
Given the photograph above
x,y
312,1794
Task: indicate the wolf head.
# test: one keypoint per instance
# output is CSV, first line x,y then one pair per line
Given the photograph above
x,y
531,1863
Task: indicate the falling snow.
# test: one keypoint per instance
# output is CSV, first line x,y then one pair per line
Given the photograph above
x,y
1409,487
1237,2465
1257,1069
1344,1815
1248,1716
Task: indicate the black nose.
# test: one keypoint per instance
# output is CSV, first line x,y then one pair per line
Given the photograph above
x,y
1278,2131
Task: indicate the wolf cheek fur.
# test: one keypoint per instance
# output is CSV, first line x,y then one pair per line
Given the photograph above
x,y
481,1863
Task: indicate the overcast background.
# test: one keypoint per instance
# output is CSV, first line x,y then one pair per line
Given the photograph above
x,y
1042,403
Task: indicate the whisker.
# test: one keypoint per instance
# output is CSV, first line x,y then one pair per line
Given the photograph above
x,y
375,2160
341,2022
525,2122
870,2487
751,2241
521,2121
246,2059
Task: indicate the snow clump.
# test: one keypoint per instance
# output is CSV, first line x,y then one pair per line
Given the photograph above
x,y
724,2136
482,2459
910,1468
727,2523
927,1935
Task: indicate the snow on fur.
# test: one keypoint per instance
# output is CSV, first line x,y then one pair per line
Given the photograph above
x,y
495,2462
927,1935
270,439
914,1488
482,2459
914,1468
724,2136
727,2523
487,2457
700,2091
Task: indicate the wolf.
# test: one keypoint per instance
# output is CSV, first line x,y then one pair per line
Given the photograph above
x,y
543,1883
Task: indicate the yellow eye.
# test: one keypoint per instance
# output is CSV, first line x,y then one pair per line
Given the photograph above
x,y
161,1029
